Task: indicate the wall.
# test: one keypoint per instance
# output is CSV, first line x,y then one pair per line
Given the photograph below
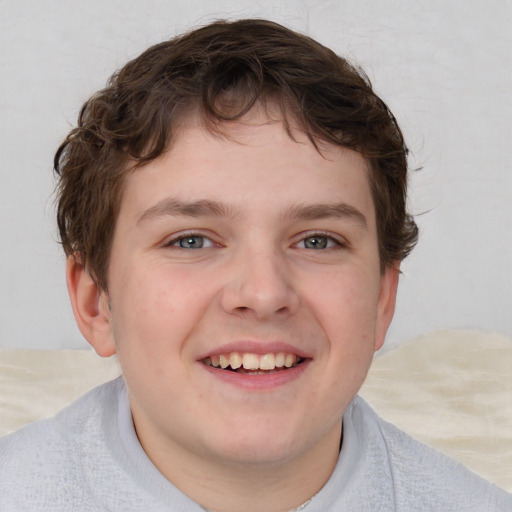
x,y
443,66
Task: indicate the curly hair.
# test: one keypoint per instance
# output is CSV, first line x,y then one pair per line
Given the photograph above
x,y
221,71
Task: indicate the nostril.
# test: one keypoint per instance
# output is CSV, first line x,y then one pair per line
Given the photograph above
x,y
259,297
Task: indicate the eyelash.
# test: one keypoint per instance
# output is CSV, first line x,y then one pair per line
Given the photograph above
x,y
175,240
334,241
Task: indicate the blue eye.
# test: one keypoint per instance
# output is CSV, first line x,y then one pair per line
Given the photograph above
x,y
191,242
318,242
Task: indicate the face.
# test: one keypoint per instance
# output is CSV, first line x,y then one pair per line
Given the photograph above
x,y
245,293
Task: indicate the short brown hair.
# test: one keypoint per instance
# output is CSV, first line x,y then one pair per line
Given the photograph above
x,y
222,70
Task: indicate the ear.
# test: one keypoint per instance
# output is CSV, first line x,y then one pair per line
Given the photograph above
x,y
90,306
386,302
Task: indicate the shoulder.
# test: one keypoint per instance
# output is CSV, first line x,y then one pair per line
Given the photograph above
x,y
423,475
42,460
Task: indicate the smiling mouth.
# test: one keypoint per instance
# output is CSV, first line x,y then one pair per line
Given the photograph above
x,y
253,364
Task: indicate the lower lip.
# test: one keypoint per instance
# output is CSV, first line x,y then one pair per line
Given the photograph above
x,y
258,382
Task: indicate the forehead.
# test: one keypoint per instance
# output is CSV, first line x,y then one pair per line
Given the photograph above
x,y
252,163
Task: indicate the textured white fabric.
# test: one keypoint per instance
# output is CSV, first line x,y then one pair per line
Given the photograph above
x,y
88,459
451,389
36,384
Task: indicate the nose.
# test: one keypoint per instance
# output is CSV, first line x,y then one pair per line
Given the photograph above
x,y
259,283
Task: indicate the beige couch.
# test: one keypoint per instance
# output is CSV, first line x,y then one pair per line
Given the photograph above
x,y
450,389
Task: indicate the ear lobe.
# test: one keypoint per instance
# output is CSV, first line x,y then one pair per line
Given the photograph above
x,y
90,307
386,303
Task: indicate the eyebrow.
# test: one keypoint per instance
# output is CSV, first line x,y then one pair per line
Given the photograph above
x,y
326,211
175,207
204,208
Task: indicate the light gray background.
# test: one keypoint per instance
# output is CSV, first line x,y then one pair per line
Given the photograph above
x,y
443,66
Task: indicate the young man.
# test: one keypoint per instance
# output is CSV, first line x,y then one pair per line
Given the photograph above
x,y
233,210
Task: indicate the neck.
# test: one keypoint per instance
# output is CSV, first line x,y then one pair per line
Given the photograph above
x,y
232,486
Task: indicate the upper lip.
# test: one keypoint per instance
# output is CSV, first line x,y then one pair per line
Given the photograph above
x,y
256,347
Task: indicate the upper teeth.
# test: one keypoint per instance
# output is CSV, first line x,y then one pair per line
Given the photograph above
x,y
251,361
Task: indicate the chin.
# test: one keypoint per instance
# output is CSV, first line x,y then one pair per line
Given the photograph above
x,y
261,442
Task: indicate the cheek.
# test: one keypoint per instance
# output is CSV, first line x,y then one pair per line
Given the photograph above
x,y
347,313
148,330
157,307
348,300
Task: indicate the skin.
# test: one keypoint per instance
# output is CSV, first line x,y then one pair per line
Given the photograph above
x,y
240,442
